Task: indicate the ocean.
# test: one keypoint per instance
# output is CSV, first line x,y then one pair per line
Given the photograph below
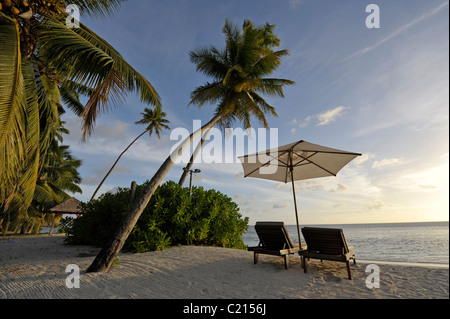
x,y
398,242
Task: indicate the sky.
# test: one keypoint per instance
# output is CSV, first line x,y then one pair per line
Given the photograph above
x,y
381,91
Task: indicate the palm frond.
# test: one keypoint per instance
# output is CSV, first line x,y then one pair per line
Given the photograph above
x,y
272,86
12,107
208,93
29,173
71,99
110,90
232,39
98,8
134,81
210,61
266,107
239,72
48,95
233,74
88,60
268,63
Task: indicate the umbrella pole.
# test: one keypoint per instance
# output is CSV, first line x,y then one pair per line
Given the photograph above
x,y
295,204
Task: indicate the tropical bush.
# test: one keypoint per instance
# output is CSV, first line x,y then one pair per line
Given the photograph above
x,y
171,218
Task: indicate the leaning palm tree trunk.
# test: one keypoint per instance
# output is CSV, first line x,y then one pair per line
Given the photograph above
x,y
194,155
114,165
109,252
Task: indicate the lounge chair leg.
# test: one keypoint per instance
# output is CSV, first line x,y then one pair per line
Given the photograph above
x,y
286,261
349,270
255,258
304,264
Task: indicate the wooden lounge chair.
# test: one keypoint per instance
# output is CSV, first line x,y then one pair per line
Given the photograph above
x,y
274,240
327,244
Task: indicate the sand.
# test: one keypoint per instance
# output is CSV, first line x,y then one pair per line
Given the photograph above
x,y
35,268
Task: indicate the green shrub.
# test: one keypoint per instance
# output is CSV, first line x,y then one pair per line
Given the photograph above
x,y
170,218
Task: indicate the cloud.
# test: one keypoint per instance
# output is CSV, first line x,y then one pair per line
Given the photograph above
x,y
305,122
116,130
239,175
91,180
295,3
386,162
427,187
303,186
339,188
378,204
330,116
363,158
324,118
432,179
279,206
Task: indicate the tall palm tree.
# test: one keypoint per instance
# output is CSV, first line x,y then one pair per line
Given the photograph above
x,y
43,61
238,73
155,120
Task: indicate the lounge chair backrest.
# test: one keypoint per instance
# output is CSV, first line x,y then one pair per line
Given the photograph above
x,y
273,235
329,241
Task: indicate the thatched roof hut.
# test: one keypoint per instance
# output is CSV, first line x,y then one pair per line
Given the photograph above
x,y
70,206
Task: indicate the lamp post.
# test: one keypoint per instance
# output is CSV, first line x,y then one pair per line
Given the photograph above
x,y
195,171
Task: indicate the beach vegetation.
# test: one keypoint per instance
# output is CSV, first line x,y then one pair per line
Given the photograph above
x,y
57,177
239,77
171,218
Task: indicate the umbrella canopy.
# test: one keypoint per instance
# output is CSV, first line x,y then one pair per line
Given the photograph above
x,y
307,161
296,161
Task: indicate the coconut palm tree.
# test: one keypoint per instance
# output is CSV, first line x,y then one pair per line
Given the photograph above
x,y
238,74
58,175
238,78
155,120
44,61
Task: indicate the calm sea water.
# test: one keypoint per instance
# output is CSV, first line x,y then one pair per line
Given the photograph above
x,y
402,242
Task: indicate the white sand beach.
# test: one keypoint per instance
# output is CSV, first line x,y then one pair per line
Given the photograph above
x,y
35,268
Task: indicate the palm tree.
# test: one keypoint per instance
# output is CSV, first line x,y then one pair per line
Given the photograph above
x,y
58,175
156,121
238,74
43,61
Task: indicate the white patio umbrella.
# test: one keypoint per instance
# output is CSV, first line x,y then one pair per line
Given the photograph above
x,y
296,161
